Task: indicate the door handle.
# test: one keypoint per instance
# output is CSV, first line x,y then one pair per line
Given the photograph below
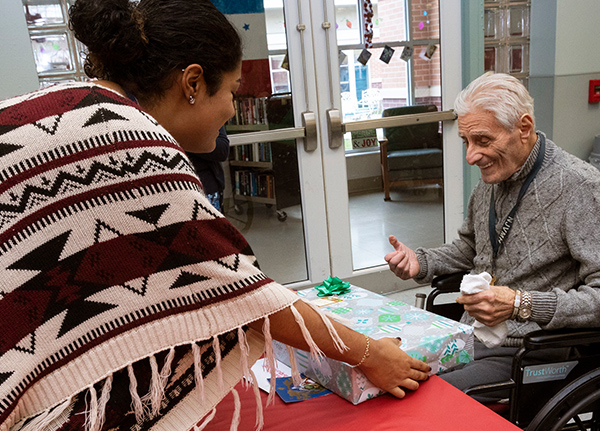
x,y
309,122
334,127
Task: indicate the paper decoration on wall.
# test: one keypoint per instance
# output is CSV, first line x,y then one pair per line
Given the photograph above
x,y
407,53
368,20
248,17
285,63
387,54
426,54
342,57
364,57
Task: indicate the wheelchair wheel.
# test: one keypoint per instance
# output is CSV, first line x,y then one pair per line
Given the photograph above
x,y
575,407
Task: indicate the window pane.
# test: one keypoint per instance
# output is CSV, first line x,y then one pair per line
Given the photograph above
x,y
46,13
518,25
347,22
428,90
425,19
491,54
51,52
276,38
493,27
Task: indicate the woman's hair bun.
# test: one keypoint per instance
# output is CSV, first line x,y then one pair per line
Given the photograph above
x,y
112,31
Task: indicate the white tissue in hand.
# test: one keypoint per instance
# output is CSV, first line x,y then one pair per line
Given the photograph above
x,y
491,336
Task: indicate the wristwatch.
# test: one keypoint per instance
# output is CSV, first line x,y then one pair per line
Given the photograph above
x,y
525,306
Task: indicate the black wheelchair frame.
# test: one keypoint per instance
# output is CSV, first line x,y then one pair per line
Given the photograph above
x,y
570,403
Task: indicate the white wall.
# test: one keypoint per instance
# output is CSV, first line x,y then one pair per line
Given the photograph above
x,y
17,66
565,55
576,121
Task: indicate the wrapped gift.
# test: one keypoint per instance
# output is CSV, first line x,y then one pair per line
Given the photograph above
x,y
441,342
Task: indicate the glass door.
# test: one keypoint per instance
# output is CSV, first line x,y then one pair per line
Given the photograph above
x,y
380,82
337,70
274,190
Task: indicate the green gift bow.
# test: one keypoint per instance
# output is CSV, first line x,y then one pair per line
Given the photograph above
x,y
333,286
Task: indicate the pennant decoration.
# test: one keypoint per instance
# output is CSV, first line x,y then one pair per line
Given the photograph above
x,y
428,53
407,53
285,63
248,17
364,57
387,54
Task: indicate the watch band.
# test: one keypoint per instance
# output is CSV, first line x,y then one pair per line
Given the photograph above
x,y
525,307
516,305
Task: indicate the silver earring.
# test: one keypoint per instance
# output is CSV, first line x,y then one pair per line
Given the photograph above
x,y
192,100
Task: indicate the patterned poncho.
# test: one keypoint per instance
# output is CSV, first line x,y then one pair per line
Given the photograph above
x,y
115,271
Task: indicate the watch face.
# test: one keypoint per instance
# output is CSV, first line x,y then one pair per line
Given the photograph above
x,y
525,313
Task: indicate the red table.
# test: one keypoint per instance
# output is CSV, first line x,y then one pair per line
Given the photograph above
x,y
436,406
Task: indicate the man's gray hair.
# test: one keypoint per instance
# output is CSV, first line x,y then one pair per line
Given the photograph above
x,y
499,93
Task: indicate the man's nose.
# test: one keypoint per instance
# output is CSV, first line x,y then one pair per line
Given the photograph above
x,y
473,156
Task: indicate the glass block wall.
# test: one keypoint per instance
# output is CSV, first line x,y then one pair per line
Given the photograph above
x,y
58,55
506,34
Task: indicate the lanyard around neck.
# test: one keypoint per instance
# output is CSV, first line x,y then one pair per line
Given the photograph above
x,y
498,240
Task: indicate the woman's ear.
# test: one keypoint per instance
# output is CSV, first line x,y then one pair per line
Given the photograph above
x,y
192,82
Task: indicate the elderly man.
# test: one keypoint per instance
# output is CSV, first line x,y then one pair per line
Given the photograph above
x,y
533,223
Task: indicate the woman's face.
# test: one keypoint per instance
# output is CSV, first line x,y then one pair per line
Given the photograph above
x,y
209,114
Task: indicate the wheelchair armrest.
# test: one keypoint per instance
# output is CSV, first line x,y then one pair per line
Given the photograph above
x,y
448,282
566,337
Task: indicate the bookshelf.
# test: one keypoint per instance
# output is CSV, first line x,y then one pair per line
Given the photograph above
x,y
264,172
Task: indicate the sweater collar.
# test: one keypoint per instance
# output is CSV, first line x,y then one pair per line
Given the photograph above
x,y
528,165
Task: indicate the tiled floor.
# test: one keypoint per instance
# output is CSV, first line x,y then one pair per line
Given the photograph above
x,y
414,216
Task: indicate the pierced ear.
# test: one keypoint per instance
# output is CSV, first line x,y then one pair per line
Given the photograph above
x,y
192,81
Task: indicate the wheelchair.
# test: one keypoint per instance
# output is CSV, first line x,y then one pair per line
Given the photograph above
x,y
564,395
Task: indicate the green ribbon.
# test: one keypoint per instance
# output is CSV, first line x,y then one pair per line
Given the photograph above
x,y
332,286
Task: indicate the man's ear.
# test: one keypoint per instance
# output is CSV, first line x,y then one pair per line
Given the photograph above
x,y
526,128
192,81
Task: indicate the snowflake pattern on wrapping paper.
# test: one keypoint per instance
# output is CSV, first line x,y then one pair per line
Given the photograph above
x,y
416,316
363,311
433,343
389,318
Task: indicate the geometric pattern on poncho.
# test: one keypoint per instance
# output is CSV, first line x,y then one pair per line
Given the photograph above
x,y
65,176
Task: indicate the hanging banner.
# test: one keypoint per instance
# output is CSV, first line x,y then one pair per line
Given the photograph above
x,y
248,17
368,23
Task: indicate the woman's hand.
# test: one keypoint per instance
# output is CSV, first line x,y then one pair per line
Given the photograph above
x,y
391,369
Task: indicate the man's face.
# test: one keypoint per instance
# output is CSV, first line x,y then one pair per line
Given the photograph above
x,y
497,152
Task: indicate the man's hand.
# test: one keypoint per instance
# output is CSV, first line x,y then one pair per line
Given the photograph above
x,y
402,261
391,369
490,307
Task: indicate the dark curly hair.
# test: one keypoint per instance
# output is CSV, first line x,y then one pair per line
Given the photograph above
x,y
140,45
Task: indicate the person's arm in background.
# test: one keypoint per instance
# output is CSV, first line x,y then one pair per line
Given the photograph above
x,y
386,366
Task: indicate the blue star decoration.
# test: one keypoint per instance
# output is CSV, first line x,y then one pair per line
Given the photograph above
x,y
246,27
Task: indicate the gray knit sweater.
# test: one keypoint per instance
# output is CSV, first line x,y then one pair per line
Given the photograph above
x,y
552,250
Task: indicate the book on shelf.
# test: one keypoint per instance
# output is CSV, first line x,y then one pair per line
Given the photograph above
x,y
249,110
258,152
251,183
